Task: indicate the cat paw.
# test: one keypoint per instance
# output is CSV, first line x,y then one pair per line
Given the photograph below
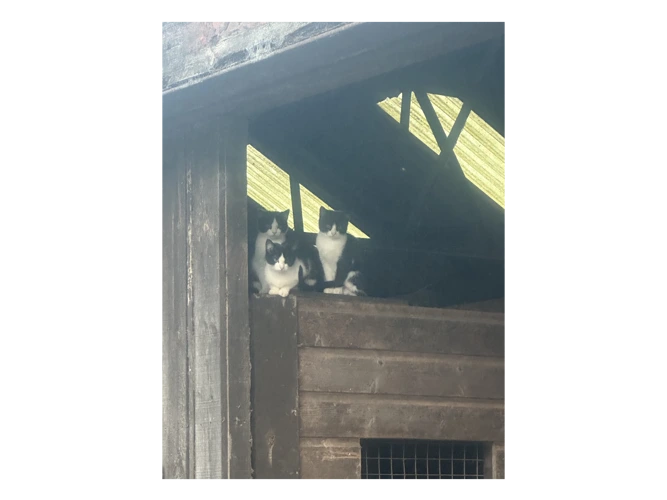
x,y
284,292
310,282
336,290
353,290
274,291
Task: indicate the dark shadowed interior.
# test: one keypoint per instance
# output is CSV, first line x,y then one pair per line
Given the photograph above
x,y
435,238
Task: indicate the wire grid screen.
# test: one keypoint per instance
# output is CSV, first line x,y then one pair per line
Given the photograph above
x,y
403,459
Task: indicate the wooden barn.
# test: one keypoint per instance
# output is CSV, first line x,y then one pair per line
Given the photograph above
x,y
401,125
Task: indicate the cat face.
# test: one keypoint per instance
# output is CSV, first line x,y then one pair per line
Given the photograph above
x,y
332,222
272,223
281,257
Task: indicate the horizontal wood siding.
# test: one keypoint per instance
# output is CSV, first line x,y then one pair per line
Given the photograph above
x,y
412,374
372,324
330,458
372,368
376,416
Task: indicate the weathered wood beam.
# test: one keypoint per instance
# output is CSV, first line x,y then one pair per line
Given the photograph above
x,y
334,322
459,123
406,98
433,121
208,275
176,411
297,209
218,269
275,419
336,415
281,73
367,371
494,460
449,163
446,143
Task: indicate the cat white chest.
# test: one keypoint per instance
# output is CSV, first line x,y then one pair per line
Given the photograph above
x,y
330,250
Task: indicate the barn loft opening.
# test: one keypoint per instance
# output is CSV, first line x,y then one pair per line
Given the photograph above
x,y
421,459
421,178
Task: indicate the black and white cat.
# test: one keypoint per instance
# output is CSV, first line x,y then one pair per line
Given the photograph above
x,y
339,254
271,225
289,265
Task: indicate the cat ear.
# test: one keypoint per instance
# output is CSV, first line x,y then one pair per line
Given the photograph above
x,y
260,209
286,213
269,246
322,211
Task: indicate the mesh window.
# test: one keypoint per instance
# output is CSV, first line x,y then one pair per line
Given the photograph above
x,y
410,459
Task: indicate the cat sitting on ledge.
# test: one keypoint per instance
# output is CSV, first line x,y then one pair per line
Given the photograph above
x,y
339,255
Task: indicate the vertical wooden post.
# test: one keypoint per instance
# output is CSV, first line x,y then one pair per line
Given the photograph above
x,y
494,461
297,209
275,372
406,98
216,153
212,361
175,416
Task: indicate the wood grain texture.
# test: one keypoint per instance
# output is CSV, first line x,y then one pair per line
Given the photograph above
x,y
233,179
499,461
275,396
209,380
297,208
220,300
175,438
330,458
401,417
494,461
374,324
411,374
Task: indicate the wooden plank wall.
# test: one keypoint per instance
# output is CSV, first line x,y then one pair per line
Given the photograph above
x,y
329,371
371,369
175,405
206,351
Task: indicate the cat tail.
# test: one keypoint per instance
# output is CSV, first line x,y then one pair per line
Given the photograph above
x,y
307,280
